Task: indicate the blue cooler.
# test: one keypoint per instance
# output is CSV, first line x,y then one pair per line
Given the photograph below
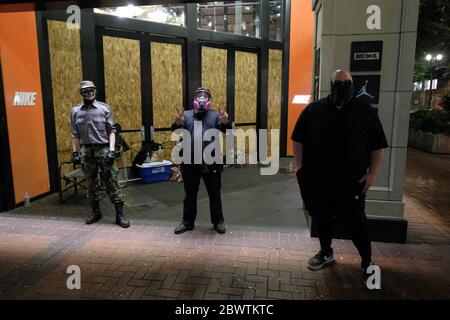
x,y
155,171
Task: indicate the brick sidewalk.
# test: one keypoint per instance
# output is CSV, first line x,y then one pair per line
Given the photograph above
x,y
150,262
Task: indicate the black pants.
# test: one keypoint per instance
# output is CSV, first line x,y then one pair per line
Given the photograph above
x,y
213,180
344,204
351,215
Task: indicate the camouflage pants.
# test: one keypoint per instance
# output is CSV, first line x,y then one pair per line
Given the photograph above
x,y
91,159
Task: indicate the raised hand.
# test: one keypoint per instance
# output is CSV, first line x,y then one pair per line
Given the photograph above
x,y
223,115
179,119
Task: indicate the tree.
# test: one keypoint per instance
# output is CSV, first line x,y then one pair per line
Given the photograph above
x,y
433,31
433,34
421,70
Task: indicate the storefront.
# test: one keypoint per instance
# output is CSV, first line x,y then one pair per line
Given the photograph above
x,y
24,154
264,60
146,62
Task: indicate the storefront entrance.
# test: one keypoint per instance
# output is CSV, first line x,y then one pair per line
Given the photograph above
x,y
146,70
141,76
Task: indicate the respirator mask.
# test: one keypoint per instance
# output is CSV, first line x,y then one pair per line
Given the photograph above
x,y
88,94
202,101
341,91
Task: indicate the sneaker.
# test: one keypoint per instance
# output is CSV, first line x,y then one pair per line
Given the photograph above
x,y
183,228
220,228
320,260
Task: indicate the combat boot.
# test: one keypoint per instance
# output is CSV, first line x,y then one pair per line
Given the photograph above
x,y
120,219
96,213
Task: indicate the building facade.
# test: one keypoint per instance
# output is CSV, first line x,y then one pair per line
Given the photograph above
x,y
264,60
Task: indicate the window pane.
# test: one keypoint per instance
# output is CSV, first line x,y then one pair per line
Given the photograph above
x,y
167,13
275,29
238,17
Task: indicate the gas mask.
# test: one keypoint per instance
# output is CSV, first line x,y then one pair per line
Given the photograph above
x,y
341,92
88,94
201,104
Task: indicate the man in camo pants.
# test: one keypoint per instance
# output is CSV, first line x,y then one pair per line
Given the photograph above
x,y
93,141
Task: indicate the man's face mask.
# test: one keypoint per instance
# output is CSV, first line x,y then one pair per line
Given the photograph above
x,y
88,94
341,91
201,103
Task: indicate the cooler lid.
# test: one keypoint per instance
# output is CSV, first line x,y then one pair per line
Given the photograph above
x,y
154,164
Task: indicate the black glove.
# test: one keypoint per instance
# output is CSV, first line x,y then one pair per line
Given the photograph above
x,y
76,158
109,158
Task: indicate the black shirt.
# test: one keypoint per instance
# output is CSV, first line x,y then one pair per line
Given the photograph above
x,y
337,142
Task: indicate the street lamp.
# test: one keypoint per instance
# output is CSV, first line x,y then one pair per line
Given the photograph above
x,y
431,59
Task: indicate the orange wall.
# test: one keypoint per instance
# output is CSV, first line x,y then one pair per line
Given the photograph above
x,y
300,60
20,70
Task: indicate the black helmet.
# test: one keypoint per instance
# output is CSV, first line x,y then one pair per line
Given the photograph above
x,y
203,90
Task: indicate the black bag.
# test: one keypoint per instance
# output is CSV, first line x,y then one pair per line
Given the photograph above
x,y
120,141
148,147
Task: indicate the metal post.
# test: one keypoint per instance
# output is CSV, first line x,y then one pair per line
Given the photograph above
x,y
430,94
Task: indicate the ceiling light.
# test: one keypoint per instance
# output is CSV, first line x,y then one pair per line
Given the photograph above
x,y
128,11
158,15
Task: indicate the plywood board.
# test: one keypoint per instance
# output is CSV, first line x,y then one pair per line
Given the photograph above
x,y
246,87
214,74
122,67
66,74
167,82
274,92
